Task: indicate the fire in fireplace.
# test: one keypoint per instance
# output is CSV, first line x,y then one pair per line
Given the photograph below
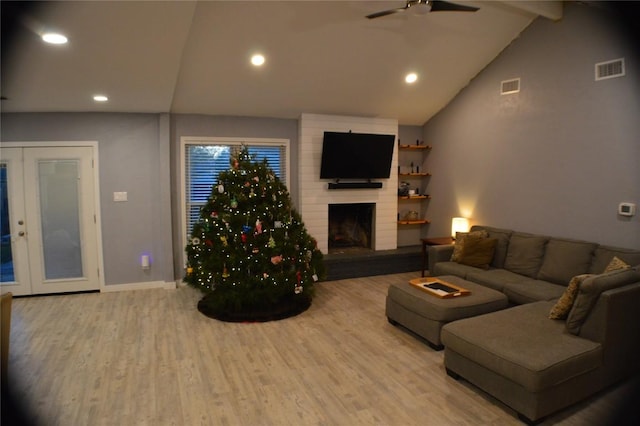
x,y
350,226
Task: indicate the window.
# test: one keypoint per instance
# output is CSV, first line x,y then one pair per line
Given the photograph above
x,y
205,158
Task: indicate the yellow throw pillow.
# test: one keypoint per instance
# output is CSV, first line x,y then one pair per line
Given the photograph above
x,y
460,239
563,306
478,252
615,264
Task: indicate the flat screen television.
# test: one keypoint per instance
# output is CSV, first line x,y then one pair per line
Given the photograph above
x,y
356,156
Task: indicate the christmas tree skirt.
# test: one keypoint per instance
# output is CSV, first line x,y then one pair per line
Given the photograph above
x,y
282,309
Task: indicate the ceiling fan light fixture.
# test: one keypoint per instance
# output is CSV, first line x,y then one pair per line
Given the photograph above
x,y
421,8
411,78
100,98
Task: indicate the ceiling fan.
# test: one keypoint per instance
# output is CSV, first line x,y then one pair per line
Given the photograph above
x,y
426,6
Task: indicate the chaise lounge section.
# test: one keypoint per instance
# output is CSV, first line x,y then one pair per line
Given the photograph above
x,y
534,364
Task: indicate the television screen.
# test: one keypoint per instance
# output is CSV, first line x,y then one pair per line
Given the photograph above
x,y
356,156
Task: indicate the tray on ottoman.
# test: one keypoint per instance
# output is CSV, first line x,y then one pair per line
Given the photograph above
x,y
425,315
439,288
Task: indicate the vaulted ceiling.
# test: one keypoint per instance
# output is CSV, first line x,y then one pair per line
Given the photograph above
x,y
194,56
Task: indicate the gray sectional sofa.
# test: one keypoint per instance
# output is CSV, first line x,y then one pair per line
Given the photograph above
x,y
534,364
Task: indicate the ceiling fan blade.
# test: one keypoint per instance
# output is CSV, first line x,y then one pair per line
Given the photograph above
x,y
445,6
386,12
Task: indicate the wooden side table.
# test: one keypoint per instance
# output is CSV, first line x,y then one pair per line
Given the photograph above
x,y
438,241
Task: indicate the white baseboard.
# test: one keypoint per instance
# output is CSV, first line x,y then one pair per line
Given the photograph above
x,y
139,286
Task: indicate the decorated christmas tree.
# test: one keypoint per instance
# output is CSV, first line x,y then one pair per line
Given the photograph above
x,y
250,252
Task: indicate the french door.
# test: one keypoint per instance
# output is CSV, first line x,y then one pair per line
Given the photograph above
x,y
48,217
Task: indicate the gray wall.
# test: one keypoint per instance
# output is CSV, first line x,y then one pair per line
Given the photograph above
x,y
133,157
224,126
558,157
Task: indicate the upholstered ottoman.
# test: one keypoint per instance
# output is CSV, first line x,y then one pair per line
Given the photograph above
x,y
425,314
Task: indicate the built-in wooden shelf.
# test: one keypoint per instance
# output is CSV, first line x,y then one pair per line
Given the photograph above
x,y
415,174
415,146
414,197
413,222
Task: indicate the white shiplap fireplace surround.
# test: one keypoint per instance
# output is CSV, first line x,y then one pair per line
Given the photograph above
x,y
314,195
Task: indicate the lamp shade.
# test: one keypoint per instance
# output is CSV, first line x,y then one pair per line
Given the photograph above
x,y
459,224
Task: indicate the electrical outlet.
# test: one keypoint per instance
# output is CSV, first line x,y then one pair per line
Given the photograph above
x,y
119,196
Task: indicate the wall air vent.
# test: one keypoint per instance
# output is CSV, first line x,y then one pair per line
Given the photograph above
x,y
610,69
510,86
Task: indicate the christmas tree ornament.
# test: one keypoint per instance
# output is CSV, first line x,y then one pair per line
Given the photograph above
x,y
195,241
224,240
272,241
233,203
243,237
246,229
189,270
225,272
276,259
258,227
221,189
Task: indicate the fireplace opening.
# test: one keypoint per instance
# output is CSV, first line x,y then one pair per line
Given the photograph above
x,y
350,227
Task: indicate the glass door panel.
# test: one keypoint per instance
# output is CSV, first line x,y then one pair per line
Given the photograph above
x,y
60,219
14,270
6,255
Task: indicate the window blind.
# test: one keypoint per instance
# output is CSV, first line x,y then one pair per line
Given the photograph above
x,y
204,162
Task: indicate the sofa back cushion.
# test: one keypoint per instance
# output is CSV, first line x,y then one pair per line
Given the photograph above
x,y
525,254
604,254
590,291
564,259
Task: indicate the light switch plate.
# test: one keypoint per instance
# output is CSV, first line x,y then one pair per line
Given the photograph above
x,y
119,196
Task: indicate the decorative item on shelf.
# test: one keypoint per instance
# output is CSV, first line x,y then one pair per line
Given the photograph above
x,y
403,189
411,215
412,167
459,224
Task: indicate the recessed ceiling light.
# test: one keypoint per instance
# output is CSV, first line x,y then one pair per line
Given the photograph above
x,y
54,38
100,98
411,78
257,60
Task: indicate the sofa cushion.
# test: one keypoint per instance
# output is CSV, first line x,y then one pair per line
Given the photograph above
x,y
591,289
604,254
529,291
503,236
478,252
525,254
563,306
564,259
495,278
452,268
520,344
461,238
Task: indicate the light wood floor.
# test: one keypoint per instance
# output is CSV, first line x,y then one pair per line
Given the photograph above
x,y
150,358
